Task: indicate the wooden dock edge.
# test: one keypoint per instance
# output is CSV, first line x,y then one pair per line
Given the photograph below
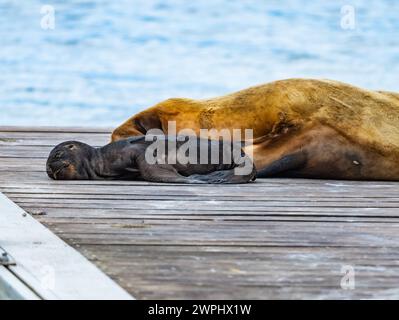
x,y
36,264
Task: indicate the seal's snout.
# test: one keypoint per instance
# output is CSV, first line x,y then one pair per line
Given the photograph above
x,y
50,171
57,169
66,161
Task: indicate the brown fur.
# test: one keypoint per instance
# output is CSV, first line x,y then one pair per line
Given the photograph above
x,y
343,131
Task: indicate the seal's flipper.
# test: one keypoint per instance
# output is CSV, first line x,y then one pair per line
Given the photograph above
x,y
223,176
291,162
163,173
168,174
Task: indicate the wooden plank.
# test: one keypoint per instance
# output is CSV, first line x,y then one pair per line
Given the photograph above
x,y
269,213
259,233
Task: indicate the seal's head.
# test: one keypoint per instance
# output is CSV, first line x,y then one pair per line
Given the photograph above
x,y
71,160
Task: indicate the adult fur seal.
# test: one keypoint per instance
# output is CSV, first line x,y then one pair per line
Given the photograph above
x,y
301,127
128,159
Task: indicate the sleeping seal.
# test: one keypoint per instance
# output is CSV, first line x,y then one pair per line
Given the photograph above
x,y
136,158
301,127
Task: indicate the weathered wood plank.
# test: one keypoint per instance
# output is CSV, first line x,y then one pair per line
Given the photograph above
x,y
259,233
268,213
217,206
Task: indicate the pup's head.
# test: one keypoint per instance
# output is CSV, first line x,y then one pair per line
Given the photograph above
x,y
70,161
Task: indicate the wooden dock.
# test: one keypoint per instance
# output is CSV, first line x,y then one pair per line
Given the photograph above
x,y
273,239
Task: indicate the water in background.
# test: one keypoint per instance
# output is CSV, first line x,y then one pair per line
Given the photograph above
x,y
106,60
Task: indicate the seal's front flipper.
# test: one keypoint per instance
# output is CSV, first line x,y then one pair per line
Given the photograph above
x,y
163,173
216,177
168,174
288,163
224,176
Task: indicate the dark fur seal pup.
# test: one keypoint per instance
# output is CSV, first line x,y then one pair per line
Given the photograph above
x,y
165,159
301,127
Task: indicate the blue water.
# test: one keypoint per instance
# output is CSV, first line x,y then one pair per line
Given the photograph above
x,y
106,60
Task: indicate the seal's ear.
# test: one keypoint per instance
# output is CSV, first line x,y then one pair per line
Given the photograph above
x,y
71,146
